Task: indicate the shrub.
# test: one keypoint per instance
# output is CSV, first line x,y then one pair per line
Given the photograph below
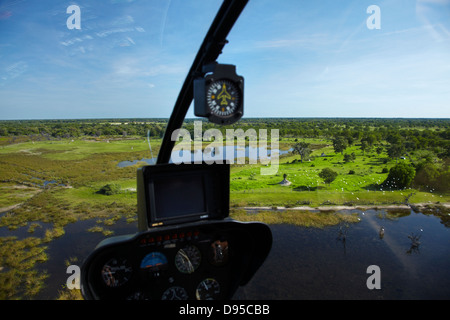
x,y
110,189
328,175
400,176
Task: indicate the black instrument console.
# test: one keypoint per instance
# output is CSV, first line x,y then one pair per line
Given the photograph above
x,y
197,261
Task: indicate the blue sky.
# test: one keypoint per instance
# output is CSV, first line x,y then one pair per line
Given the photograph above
x,y
299,58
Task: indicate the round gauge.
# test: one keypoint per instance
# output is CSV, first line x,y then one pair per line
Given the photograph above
x,y
218,254
188,259
208,289
139,295
223,98
154,262
116,272
175,293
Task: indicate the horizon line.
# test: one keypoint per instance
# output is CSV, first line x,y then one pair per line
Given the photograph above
x,y
243,118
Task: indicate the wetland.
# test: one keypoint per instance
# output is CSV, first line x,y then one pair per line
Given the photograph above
x,y
52,214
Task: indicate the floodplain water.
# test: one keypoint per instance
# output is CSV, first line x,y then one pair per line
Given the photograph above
x,y
210,154
412,252
313,263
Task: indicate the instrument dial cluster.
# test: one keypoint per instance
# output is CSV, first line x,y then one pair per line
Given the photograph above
x,y
182,265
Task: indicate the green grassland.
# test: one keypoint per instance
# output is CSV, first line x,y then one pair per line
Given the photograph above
x,y
83,166
358,182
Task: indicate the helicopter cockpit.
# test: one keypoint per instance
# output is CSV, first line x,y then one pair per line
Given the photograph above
x,y
187,247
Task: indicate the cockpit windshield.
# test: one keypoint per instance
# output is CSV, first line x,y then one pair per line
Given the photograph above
x,y
329,121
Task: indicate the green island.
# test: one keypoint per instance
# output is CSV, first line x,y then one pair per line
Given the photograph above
x,y
57,172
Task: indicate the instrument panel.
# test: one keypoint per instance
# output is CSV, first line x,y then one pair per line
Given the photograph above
x,y
201,261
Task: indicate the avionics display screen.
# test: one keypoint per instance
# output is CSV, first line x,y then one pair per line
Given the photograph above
x,y
173,194
179,196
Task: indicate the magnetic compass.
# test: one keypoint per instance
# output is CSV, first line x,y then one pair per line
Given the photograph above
x,y
223,97
219,96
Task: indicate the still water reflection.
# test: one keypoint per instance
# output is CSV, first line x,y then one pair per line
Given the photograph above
x,y
311,263
212,154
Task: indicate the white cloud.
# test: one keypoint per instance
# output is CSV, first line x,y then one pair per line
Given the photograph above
x,y
13,71
433,14
303,41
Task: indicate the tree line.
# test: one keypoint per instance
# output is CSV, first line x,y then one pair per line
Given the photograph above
x,y
404,135
399,137
82,128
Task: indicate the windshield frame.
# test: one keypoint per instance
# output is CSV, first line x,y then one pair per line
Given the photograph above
x,y
208,52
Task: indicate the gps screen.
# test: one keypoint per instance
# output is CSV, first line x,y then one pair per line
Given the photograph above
x,y
179,196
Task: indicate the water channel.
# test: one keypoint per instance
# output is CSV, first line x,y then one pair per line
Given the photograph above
x,y
313,263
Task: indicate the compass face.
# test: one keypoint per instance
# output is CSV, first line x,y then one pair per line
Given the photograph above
x,y
223,98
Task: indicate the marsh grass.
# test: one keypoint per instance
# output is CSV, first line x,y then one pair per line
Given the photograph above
x,y
295,217
50,210
18,278
12,194
34,170
78,149
69,294
102,230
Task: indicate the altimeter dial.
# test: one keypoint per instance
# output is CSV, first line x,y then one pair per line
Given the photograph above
x,y
188,259
208,289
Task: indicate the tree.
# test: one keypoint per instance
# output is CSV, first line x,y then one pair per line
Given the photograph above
x,y
395,151
400,176
3,132
340,144
370,140
364,146
379,150
302,148
349,157
432,175
328,175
